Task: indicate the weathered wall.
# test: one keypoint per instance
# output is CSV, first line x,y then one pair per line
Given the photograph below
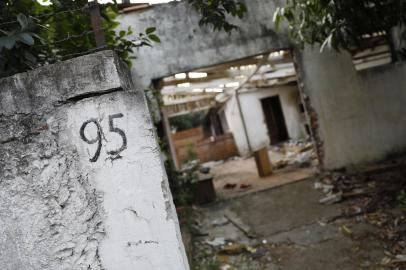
x,y
361,115
207,149
255,119
186,46
59,209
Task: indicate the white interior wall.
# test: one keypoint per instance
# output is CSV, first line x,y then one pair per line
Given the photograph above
x,y
255,119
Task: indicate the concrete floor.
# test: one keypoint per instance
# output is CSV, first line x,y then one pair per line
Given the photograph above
x,y
243,171
285,228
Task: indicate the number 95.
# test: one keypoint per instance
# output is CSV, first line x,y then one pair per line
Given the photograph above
x,y
100,135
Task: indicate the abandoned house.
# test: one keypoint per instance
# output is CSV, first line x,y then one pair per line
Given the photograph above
x,y
326,109
266,108
85,184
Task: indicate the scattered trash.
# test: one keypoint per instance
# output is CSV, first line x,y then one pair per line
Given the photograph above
x,y
225,267
233,249
245,186
216,242
346,231
400,258
331,199
297,153
205,170
212,164
230,186
325,187
318,185
220,222
280,164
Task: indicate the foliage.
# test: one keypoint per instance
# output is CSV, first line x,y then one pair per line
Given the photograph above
x,y
188,121
191,152
340,24
402,200
32,34
208,264
214,12
181,182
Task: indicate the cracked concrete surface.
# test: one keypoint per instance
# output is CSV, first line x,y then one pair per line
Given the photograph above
x,y
291,232
78,193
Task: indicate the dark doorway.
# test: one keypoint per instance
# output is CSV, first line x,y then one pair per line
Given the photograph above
x,y
274,119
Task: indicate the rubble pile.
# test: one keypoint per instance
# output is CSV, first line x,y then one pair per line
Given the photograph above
x,y
297,153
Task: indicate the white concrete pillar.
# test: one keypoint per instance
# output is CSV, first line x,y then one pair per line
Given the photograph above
x,y
82,184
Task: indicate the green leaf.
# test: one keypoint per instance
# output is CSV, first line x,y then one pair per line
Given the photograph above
x,y
22,20
30,57
7,42
26,38
327,42
154,38
150,30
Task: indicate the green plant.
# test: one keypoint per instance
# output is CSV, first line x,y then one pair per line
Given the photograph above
x,y
214,12
191,154
182,183
188,121
32,35
340,24
402,200
209,264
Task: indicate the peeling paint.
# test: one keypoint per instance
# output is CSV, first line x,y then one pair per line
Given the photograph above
x,y
59,210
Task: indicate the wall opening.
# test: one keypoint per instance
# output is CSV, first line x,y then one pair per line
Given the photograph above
x,y
250,105
275,119
375,50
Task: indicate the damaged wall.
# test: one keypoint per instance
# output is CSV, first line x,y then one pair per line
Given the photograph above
x,y
255,120
361,115
82,185
186,46
358,115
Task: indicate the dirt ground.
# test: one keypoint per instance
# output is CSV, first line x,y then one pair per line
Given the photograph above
x,y
284,228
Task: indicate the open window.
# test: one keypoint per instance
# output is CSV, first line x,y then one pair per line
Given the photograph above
x,y
374,51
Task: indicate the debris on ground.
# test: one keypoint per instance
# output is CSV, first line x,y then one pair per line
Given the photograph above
x,y
364,226
346,231
204,170
229,186
211,164
297,153
233,249
245,186
220,222
216,242
332,198
375,195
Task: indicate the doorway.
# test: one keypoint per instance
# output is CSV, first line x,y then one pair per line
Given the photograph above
x,y
275,119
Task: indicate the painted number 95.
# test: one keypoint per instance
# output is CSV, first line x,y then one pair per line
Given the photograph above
x,y
100,136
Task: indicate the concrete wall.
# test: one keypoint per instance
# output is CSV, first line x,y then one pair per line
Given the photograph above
x,y
63,204
361,115
255,119
186,46
207,149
